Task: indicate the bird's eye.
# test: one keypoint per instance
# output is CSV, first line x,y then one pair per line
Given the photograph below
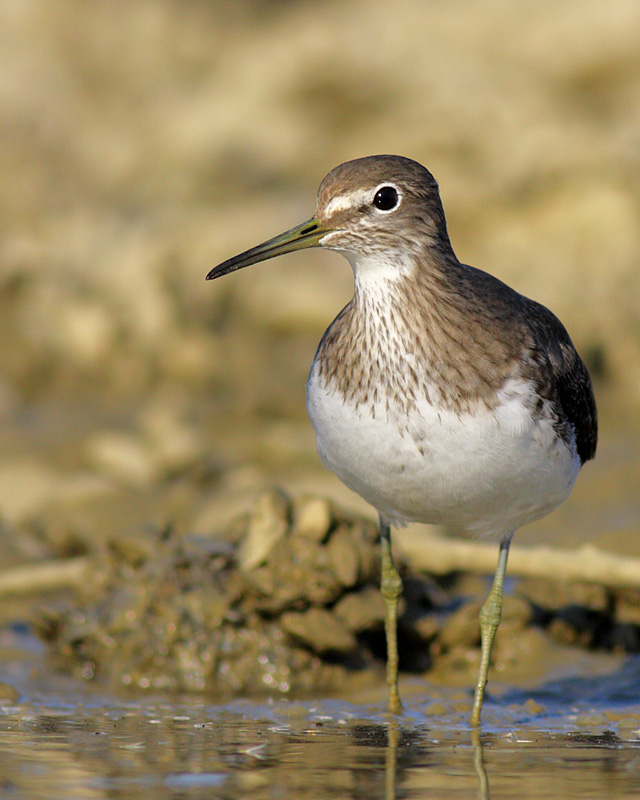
x,y
386,198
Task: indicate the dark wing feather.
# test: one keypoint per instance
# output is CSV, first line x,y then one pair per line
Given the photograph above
x,y
565,379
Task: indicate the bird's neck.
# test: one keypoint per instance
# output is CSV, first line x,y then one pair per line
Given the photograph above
x,y
396,278
407,327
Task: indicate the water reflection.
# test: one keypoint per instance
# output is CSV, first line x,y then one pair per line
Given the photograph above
x,y
57,739
478,765
291,752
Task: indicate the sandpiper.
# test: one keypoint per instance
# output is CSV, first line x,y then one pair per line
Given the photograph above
x,y
439,394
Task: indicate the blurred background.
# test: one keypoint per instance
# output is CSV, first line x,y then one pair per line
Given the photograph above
x,y
143,142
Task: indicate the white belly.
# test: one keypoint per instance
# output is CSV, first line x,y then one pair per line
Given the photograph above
x,y
487,473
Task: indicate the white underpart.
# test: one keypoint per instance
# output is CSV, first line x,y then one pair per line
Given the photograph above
x,y
488,472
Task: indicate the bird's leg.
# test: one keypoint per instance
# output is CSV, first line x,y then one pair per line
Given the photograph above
x,y
391,589
490,616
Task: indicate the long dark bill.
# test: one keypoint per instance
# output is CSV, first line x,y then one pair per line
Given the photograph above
x,y
308,234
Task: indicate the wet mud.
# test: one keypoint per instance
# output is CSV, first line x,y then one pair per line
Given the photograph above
x,y
285,601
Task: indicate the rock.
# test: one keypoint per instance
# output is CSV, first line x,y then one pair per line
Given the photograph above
x,y
345,557
320,630
268,524
516,613
461,628
627,606
134,550
8,695
425,628
302,575
262,580
312,518
366,536
123,457
361,610
84,331
226,506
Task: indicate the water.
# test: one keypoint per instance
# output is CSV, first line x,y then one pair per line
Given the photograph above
x,y
574,736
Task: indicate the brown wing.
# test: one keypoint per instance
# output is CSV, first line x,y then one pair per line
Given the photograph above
x,y
555,366
567,380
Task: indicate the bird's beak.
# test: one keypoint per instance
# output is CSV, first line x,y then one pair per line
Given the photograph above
x,y
308,234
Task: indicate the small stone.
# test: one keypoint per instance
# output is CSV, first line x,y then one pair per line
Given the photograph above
x,y
425,627
8,695
576,625
344,555
365,535
361,611
516,612
320,630
84,331
262,580
627,607
134,550
533,707
312,518
123,457
462,629
307,554
268,524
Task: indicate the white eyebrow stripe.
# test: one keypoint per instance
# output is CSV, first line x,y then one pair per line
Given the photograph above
x,y
344,201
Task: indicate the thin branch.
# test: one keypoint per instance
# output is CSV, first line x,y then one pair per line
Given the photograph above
x,y
426,553
588,564
45,576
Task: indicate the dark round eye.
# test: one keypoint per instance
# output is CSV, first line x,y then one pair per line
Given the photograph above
x,y
386,198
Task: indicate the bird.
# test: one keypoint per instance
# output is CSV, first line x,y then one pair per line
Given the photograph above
x,y
438,394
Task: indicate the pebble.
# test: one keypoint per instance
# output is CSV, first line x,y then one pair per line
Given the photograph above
x,y
320,630
312,518
345,558
461,628
8,694
268,524
123,457
361,610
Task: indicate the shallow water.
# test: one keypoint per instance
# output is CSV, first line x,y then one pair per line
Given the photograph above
x,y
566,738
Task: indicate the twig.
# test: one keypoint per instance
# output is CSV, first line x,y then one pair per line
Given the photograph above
x,y
426,553
46,576
588,564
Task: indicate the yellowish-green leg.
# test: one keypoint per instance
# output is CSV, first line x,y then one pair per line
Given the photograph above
x,y
490,616
391,589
